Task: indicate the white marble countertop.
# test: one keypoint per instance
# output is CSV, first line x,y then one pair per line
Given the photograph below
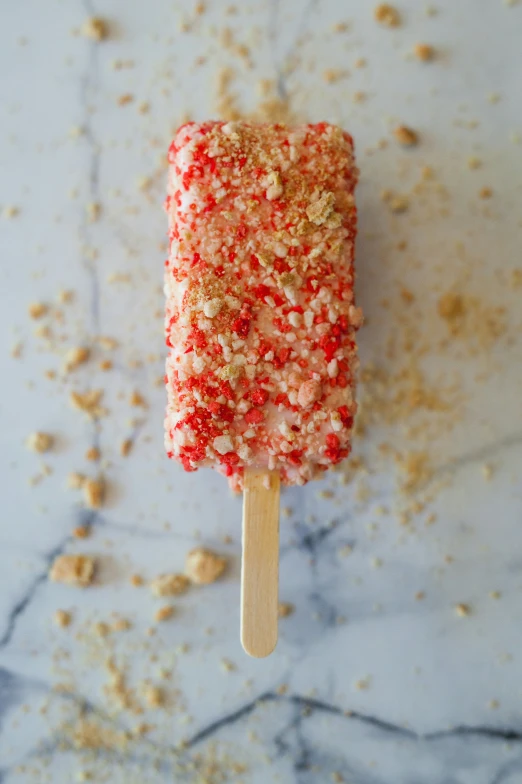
x,y
377,678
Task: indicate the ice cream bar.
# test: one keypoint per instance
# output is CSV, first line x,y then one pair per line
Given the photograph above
x,y
260,316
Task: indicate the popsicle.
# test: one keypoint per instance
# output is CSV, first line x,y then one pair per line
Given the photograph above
x,y
260,315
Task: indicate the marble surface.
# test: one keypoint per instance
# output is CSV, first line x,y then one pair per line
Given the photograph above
x,y
376,679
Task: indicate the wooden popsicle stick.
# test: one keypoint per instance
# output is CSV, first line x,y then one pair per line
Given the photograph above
x,y
260,563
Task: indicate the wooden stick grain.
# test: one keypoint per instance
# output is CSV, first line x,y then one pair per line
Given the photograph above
x,y
260,563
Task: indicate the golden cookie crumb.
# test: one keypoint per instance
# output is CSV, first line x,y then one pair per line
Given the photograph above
x,y
95,28
92,454
462,610
137,580
76,356
38,309
10,212
340,27
333,75
72,570
474,162
387,15
107,344
284,609
121,625
424,52
40,442
485,193
75,481
406,136
282,689
203,567
105,365
164,613
124,99
62,618
137,400
88,402
82,531
169,585
94,493
398,204
65,296
227,665
154,696
93,210
125,447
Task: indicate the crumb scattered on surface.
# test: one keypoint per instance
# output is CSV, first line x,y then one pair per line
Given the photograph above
x,y
164,613
76,356
407,137
285,609
137,400
94,493
88,402
154,696
93,454
82,531
203,566
75,481
126,447
169,585
474,162
462,610
40,442
95,28
62,618
73,570
38,309
387,15
485,192
424,52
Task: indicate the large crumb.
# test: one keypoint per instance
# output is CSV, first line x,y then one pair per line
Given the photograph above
x,y
73,570
169,585
62,618
95,28
387,15
424,52
203,566
40,442
406,136
76,356
37,310
88,402
164,613
94,493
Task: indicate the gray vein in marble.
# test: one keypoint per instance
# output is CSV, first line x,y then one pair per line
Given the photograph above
x,y
273,27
